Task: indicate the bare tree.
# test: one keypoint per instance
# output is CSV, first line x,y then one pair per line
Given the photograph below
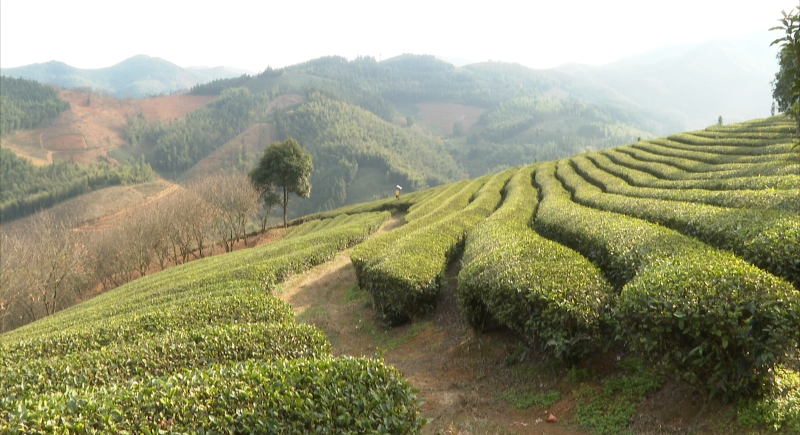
x,y
234,201
55,264
14,284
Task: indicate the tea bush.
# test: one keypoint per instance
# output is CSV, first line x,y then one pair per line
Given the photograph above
x,y
554,297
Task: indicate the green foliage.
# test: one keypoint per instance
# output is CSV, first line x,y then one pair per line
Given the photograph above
x,y
343,138
548,293
285,168
524,399
786,87
608,410
202,348
343,395
186,141
766,238
721,323
406,276
27,104
26,188
785,199
512,117
779,409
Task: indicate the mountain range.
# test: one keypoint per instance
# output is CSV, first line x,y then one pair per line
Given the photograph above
x,y
138,76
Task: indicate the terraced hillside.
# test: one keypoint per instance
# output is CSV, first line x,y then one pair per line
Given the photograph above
x,y
683,252
202,347
684,249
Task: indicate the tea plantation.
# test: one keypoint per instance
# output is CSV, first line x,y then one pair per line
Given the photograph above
x,y
684,250
202,348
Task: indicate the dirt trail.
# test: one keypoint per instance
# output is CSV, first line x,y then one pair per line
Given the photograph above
x,y
459,373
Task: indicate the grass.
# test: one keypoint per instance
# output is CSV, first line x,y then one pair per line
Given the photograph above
x,y
606,409
523,399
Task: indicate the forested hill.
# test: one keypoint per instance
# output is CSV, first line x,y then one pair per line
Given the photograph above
x,y
137,76
347,141
410,79
27,104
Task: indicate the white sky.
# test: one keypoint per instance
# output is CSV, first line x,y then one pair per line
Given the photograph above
x,y
254,34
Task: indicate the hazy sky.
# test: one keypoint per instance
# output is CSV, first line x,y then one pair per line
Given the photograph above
x,y
254,34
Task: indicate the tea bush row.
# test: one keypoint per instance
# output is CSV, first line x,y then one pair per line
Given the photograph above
x,y
158,355
767,238
554,297
721,323
437,208
325,396
660,175
788,199
695,169
733,143
710,154
405,279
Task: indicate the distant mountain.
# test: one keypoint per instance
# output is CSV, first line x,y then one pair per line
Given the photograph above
x,y
728,77
137,76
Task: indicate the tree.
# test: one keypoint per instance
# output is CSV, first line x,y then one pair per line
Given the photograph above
x,y
409,121
786,86
287,166
458,129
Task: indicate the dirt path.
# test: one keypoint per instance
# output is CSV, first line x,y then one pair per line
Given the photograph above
x,y
460,374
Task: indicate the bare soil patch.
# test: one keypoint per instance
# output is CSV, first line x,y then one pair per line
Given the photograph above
x,y
170,107
66,142
442,116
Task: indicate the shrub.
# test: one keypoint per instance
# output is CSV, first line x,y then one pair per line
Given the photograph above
x,y
328,396
406,277
721,323
766,238
788,199
551,295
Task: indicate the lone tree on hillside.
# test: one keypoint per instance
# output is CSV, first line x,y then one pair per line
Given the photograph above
x,y
786,86
285,166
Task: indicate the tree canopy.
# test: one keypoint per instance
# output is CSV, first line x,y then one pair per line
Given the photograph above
x,y
27,104
285,166
786,87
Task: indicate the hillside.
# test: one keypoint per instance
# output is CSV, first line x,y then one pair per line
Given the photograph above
x,y
681,251
136,77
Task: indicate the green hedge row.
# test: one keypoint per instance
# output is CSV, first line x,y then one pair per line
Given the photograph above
x,y
438,208
554,297
426,207
324,396
726,133
697,169
158,355
406,276
711,154
733,143
721,323
767,238
654,174
221,304
775,124
787,200
389,204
